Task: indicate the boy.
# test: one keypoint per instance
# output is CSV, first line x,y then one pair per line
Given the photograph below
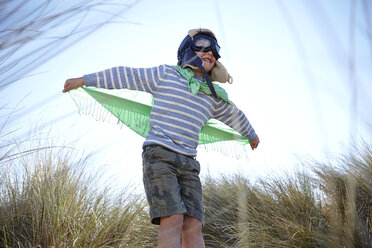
x,y
184,100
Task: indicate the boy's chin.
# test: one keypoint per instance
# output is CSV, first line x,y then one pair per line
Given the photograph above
x,y
208,68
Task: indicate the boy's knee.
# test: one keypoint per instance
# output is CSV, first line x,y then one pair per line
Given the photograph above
x,y
191,224
175,221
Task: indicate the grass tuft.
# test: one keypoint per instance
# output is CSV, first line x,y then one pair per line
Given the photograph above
x,y
49,201
327,206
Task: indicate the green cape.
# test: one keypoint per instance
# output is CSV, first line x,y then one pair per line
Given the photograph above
x,y
136,115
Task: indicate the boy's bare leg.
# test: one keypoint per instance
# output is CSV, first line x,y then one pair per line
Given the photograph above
x,y
192,236
170,229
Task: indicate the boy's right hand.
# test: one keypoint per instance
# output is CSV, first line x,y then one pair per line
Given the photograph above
x,y
73,83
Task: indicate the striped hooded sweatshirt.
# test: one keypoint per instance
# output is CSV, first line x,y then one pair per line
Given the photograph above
x,y
177,115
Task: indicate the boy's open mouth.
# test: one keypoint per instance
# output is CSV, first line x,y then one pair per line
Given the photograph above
x,y
207,60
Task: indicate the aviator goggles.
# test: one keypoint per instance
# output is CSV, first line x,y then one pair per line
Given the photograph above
x,y
203,43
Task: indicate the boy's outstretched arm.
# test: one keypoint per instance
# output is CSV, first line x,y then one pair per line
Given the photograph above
x,y
235,118
73,83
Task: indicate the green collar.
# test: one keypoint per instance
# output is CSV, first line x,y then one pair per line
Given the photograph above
x,y
196,85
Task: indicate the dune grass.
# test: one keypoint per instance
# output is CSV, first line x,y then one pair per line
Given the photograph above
x,y
327,206
272,213
50,200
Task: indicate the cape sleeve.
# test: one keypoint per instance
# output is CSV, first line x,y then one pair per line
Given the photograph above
x,y
233,117
142,79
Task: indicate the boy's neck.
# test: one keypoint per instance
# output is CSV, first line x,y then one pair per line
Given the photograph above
x,y
198,73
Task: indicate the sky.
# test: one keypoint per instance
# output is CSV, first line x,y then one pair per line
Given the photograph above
x,y
301,69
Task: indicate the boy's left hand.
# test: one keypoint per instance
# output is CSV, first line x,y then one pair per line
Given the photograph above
x,y
254,143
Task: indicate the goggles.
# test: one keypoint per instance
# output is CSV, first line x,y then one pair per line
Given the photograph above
x,y
204,43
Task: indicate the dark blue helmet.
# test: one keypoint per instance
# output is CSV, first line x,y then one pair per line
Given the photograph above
x,y
197,40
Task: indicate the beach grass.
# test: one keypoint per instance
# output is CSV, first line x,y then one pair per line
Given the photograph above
x,y
49,199
328,205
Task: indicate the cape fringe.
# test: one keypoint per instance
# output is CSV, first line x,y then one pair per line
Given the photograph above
x,y
226,148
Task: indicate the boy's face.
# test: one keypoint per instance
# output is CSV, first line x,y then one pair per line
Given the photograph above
x,y
208,60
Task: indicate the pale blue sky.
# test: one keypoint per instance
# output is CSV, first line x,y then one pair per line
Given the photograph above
x,y
289,60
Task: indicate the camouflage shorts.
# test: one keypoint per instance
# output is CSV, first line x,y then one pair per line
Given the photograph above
x,y
171,183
